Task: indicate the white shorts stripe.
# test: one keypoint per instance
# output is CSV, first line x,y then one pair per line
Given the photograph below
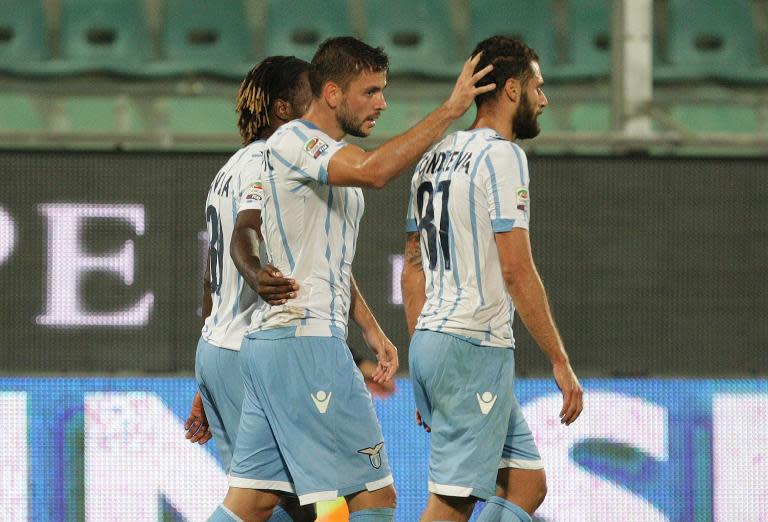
x,y
378,484
521,464
311,498
231,514
450,491
242,482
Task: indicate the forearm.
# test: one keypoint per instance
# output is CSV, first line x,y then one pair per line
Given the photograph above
x,y
412,281
412,287
532,305
360,312
244,250
396,155
207,298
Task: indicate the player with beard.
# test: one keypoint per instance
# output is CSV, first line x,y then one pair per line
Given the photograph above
x,y
468,267
308,425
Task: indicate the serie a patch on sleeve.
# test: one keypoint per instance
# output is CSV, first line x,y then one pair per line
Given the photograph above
x,y
255,192
315,146
522,199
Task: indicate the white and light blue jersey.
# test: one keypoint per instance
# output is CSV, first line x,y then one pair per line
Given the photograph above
x,y
235,188
470,186
310,231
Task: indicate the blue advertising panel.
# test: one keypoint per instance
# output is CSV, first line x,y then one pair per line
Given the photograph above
x,y
644,449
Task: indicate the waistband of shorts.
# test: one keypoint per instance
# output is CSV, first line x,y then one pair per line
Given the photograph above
x,y
468,338
301,330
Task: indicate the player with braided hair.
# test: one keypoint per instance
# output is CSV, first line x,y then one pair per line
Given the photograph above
x,y
272,93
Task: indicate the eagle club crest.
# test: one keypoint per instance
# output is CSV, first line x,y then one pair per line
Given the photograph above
x,y
374,454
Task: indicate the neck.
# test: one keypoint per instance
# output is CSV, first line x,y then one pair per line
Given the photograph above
x,y
497,119
269,131
324,119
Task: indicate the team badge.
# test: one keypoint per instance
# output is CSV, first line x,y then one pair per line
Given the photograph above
x,y
315,146
374,454
522,199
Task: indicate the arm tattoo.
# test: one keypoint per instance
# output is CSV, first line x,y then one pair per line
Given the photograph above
x,y
413,250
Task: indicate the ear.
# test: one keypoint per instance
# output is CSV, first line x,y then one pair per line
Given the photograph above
x,y
283,110
332,94
513,89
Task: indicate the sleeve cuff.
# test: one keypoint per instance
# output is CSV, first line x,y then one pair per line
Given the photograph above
x,y
411,226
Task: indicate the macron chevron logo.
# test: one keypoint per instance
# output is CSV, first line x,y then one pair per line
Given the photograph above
x,y
486,402
321,400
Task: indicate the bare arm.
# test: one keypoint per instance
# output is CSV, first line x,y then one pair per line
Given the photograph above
x,y
207,298
373,336
265,280
352,166
524,285
412,281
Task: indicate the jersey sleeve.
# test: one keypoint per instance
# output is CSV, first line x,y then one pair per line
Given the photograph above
x,y
304,154
251,195
506,183
411,219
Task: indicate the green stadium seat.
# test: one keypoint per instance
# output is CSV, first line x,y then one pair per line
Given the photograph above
x,y
205,37
417,36
590,118
589,30
711,40
18,112
100,114
402,115
23,36
108,36
295,27
716,119
201,115
533,22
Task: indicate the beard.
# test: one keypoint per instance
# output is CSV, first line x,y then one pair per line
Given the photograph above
x,y
526,123
349,122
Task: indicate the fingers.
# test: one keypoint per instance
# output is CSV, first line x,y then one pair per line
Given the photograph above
x,y
485,88
420,422
197,430
206,437
573,405
481,73
274,288
473,60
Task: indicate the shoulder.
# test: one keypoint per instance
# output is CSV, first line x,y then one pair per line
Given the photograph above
x,y
506,151
299,137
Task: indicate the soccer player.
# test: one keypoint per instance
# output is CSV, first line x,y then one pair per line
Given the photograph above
x,y
272,93
303,393
468,267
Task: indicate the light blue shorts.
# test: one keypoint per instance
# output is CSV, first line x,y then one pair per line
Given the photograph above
x,y
308,425
217,371
465,393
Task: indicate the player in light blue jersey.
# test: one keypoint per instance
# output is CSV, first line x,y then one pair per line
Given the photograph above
x,y
272,93
468,267
303,392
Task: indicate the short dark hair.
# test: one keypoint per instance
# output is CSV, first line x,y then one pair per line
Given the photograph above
x,y
340,59
276,77
511,58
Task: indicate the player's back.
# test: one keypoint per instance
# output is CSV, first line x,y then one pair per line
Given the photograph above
x,y
310,231
471,185
236,187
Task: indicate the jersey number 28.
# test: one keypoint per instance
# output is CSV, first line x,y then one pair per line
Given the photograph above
x,y
215,247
